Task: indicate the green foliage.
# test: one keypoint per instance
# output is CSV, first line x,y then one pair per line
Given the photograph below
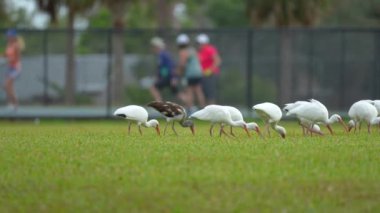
x,y
95,166
227,13
263,89
102,19
141,15
285,12
136,95
353,13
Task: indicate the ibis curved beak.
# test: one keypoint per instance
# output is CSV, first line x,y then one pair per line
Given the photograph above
x,y
192,130
329,128
246,130
344,125
158,130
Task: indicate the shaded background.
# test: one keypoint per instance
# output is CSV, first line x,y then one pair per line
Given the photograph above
x,y
83,58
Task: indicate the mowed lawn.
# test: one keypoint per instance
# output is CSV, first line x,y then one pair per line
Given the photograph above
x,y
65,166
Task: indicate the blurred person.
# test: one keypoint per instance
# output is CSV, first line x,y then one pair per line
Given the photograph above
x,y
210,62
190,69
12,54
165,69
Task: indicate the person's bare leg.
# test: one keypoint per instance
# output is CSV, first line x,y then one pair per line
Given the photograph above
x,y
11,96
155,93
184,97
200,96
190,97
6,88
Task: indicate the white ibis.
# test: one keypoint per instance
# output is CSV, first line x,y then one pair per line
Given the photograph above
x,y
237,116
375,103
315,112
363,111
271,114
217,114
173,112
305,124
138,114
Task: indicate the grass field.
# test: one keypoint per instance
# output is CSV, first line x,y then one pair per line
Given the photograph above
x,y
94,166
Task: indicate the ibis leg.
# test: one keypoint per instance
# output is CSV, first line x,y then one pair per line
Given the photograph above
x,y
222,130
129,127
311,130
140,129
303,131
360,126
267,127
211,127
369,128
175,132
166,126
232,133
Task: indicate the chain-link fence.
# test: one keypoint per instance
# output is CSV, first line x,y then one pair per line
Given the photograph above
x,y
335,66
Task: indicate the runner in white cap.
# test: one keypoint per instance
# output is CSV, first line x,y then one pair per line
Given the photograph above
x,y
210,62
189,67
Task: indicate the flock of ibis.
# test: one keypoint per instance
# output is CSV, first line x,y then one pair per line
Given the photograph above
x,y
311,114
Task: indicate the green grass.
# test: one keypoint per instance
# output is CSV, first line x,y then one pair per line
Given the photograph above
x,y
91,166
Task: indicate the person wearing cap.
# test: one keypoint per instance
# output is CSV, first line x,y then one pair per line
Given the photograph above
x,y
189,68
165,69
13,57
210,62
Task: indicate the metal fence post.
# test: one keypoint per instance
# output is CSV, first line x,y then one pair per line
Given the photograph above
x,y
311,63
342,69
249,67
109,72
45,67
375,77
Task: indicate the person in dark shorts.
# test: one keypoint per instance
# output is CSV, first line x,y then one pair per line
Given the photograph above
x,y
190,69
165,70
210,62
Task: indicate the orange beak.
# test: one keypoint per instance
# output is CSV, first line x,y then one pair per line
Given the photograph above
x,y
158,130
192,130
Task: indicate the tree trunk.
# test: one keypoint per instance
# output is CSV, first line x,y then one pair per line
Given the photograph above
x,y
164,13
118,53
70,84
285,76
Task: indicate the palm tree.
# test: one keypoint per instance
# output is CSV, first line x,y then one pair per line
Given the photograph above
x,y
118,9
74,7
285,14
3,13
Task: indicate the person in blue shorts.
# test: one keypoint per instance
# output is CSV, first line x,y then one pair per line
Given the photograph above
x,y
165,70
13,57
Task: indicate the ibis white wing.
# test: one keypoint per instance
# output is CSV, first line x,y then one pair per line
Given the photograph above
x,y
235,113
213,113
309,111
133,112
268,111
